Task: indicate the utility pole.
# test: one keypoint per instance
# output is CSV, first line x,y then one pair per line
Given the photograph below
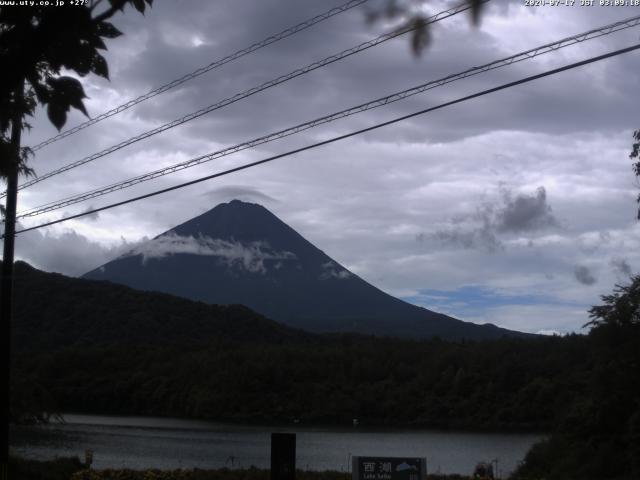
x,y
6,287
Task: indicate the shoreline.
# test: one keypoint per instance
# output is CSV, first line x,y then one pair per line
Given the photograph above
x,y
373,427
71,468
159,445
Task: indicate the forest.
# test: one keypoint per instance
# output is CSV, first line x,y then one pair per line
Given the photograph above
x,y
77,351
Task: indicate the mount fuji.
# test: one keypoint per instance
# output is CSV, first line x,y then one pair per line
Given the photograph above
x,y
240,253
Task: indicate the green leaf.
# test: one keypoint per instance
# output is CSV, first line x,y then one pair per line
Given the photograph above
x,y
78,104
476,7
41,90
81,59
100,66
421,37
97,42
119,4
67,92
67,87
139,5
107,30
57,114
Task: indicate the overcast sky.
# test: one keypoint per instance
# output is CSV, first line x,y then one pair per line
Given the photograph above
x,y
517,208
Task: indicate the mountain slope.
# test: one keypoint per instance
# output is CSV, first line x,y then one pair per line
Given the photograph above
x,y
96,347
240,253
52,311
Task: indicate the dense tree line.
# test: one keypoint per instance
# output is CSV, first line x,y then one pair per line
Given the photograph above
x,y
99,348
598,437
508,384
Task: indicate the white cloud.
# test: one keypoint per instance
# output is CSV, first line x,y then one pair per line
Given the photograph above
x,y
248,256
66,251
333,270
537,318
549,332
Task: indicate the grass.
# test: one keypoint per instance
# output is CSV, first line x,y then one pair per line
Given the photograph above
x,y
73,469
58,469
221,474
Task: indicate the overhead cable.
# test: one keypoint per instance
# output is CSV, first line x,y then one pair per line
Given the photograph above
x,y
207,68
532,53
338,138
247,93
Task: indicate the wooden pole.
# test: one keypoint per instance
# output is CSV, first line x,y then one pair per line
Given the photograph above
x,y
6,286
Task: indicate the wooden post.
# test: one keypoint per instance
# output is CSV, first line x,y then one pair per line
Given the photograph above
x,y
6,287
283,456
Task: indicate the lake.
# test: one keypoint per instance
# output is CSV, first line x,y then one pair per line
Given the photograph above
x,y
147,442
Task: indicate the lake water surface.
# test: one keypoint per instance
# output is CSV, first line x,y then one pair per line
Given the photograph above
x,y
146,442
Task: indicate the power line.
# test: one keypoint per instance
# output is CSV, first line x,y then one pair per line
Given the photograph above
x,y
589,35
196,73
247,93
341,137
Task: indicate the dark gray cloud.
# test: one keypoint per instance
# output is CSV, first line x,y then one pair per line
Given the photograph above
x,y
239,192
171,31
621,267
520,213
595,241
583,275
525,213
483,238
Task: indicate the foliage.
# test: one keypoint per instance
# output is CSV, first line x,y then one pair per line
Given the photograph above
x,y
36,44
74,469
635,153
221,474
30,402
490,385
411,16
70,312
621,308
104,348
598,437
58,469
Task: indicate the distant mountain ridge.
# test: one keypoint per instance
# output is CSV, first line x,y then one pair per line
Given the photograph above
x,y
240,253
52,312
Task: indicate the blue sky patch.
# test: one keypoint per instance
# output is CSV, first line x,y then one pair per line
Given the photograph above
x,y
474,301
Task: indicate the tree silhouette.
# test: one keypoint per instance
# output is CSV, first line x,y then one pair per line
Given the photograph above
x,y
411,14
36,43
635,153
621,308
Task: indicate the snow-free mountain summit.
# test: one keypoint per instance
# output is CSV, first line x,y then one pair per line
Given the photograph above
x,y
240,253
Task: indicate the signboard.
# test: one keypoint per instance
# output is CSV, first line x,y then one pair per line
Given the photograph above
x,y
389,468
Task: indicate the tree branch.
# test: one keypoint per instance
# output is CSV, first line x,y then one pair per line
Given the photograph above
x,y
110,12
